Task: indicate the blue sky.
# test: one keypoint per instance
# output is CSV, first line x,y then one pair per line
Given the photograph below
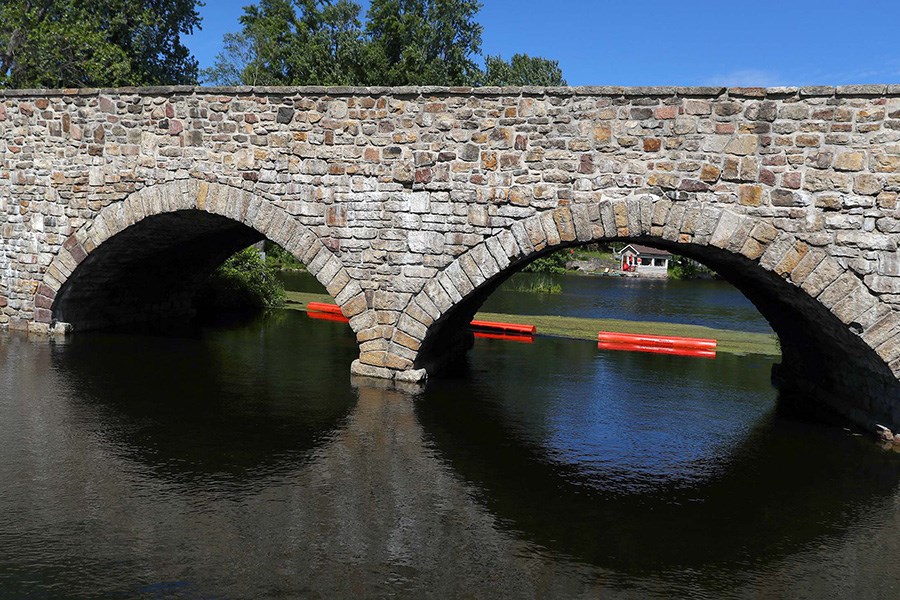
x,y
678,42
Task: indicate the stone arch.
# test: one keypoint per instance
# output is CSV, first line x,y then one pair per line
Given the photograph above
x,y
836,335
246,213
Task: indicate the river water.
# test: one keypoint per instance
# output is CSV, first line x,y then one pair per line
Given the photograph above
x,y
244,462
712,303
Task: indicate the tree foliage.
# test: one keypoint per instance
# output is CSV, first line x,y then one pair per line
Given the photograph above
x,y
242,282
73,43
423,42
301,41
401,42
553,263
522,70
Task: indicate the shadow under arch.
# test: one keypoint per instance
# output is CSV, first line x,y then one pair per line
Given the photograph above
x,y
839,341
225,406
148,254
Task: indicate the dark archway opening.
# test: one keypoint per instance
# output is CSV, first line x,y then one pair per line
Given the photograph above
x,y
824,361
150,270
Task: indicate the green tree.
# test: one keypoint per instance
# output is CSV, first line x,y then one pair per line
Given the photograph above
x,y
522,70
236,64
553,263
293,42
244,281
402,42
73,43
423,42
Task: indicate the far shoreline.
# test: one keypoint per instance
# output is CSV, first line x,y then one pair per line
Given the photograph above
x,y
730,341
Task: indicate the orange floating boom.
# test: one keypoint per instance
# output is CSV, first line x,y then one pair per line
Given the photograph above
x,y
324,307
656,340
505,327
324,316
673,350
509,337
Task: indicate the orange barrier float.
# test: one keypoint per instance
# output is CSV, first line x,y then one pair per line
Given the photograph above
x,y
324,316
324,307
514,332
673,350
514,328
509,337
642,339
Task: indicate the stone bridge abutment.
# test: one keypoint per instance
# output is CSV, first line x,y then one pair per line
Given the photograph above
x,y
410,205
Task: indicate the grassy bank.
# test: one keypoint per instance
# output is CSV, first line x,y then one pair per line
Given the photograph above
x,y
730,341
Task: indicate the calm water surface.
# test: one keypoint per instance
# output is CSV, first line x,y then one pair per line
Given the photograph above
x,y
712,303
244,462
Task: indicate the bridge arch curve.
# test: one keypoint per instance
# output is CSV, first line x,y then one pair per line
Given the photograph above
x,y
839,341
149,253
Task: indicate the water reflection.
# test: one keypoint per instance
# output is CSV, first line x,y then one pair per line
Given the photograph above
x,y
368,511
245,463
232,405
634,472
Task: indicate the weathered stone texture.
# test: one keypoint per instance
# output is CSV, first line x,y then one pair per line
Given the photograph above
x,y
408,203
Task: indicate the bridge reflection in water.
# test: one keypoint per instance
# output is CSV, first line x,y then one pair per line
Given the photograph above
x,y
242,463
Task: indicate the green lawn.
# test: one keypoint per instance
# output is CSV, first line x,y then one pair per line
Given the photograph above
x,y
730,341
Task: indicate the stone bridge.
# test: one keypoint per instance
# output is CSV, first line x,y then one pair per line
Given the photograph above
x,y
410,205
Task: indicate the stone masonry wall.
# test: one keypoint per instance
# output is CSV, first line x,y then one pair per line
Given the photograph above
x,y
409,202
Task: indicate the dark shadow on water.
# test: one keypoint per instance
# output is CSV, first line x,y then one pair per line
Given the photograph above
x,y
231,403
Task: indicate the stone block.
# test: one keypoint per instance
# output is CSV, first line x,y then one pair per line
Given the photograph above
x,y
883,284
752,249
697,107
867,184
838,289
581,220
353,306
750,195
806,266
726,227
416,312
461,282
411,376
536,237
364,369
565,225
478,215
742,145
472,270
438,295
825,273
850,161
498,253
855,304
428,242
882,330
424,302
407,341
672,229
